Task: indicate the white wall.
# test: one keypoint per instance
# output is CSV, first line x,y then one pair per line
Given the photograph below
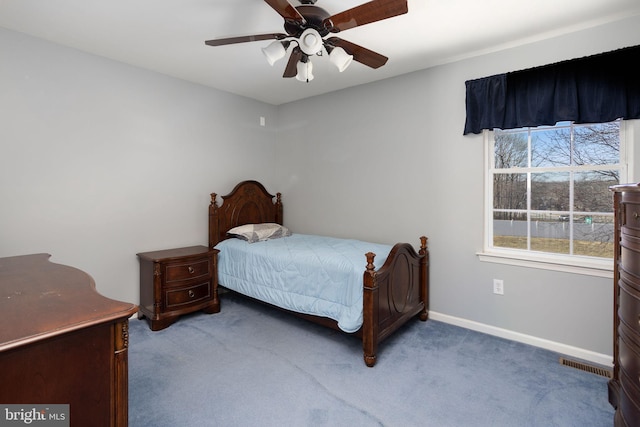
x,y
100,160
388,162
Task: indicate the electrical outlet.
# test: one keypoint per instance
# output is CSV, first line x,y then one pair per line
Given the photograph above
x,y
498,287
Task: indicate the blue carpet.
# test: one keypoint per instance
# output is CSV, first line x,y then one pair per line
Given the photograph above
x,y
252,365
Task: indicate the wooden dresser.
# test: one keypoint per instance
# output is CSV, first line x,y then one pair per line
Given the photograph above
x,y
624,387
177,281
61,342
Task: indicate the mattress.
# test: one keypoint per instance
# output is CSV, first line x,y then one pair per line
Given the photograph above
x,y
317,275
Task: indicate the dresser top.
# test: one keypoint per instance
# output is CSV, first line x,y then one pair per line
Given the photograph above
x,y
40,299
625,187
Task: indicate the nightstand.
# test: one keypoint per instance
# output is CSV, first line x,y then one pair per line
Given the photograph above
x,y
178,281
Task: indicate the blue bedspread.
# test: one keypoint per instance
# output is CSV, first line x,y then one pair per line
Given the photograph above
x,y
303,273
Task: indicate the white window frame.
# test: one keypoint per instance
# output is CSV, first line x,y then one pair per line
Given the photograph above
x,y
591,266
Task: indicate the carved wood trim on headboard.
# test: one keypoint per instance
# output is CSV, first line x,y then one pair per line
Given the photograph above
x,y
248,203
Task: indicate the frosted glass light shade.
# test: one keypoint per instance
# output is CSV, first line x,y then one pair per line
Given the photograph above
x,y
274,52
340,58
304,71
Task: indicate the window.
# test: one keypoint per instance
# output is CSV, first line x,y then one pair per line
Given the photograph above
x,y
547,193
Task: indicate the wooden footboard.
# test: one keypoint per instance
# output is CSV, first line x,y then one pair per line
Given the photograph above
x,y
395,293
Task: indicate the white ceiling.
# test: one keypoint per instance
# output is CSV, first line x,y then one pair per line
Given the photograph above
x,y
168,36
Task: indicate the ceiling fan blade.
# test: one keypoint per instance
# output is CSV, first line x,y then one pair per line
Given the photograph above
x,y
243,39
375,10
360,54
286,10
291,69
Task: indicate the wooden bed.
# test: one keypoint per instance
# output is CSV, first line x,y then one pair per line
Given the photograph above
x,y
393,294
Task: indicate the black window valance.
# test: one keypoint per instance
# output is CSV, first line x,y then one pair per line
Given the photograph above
x,y
593,89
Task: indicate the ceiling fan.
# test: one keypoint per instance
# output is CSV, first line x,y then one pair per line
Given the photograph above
x,y
309,27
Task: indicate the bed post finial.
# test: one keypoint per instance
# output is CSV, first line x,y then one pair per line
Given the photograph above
x,y
370,256
214,203
423,245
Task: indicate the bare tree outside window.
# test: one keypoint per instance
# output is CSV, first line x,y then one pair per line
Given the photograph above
x,y
550,188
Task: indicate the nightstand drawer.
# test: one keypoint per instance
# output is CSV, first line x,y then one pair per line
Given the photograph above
x,y
185,296
185,271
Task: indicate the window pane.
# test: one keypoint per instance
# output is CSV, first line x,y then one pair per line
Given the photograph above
x,y
591,191
597,144
551,147
593,235
556,246
510,233
550,191
510,191
510,150
550,235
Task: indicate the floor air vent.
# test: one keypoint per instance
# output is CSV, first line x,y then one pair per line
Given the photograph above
x,y
586,367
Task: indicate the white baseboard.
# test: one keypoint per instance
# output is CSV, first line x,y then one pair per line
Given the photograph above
x,y
567,350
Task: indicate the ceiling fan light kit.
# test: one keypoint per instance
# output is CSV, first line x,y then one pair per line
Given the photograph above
x,y
275,51
304,71
340,58
309,25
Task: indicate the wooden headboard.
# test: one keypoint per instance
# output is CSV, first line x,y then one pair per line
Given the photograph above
x,y
248,203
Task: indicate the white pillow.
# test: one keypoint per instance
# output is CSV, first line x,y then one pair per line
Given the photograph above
x,y
258,232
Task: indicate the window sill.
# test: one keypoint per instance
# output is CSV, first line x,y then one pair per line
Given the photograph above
x,y
586,266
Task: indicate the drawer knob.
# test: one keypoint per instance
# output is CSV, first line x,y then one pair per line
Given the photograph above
x,y
191,293
191,270
636,215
